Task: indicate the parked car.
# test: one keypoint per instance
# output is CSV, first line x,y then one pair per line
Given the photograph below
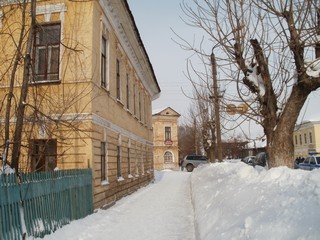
x,y
310,162
192,161
248,160
261,159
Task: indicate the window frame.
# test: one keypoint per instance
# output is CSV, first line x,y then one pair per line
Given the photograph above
x,y
103,159
103,63
166,155
129,162
118,79
134,100
128,91
167,134
49,54
119,174
40,157
305,138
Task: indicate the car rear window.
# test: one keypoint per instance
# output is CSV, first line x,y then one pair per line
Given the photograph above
x,y
196,157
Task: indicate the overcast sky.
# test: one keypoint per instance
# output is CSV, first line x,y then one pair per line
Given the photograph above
x,y
155,20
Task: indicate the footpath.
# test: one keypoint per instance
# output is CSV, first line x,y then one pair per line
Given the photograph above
x,y
159,211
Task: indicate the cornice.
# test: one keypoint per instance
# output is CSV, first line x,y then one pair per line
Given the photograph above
x,y
137,59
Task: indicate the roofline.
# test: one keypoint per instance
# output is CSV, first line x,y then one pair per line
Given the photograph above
x,y
142,46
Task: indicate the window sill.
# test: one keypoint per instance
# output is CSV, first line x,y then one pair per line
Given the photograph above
x,y
120,179
120,102
45,82
104,183
105,88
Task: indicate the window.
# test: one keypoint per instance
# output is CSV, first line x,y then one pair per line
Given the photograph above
x,y
296,139
118,80
128,92
47,52
43,154
103,160
305,138
134,100
140,116
119,161
310,137
142,162
129,164
312,160
168,158
103,62
167,133
136,162
300,139
144,111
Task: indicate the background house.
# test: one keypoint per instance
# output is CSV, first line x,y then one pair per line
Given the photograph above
x,y
165,135
306,138
89,96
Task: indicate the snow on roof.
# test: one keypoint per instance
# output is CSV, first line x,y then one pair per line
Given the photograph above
x,y
260,143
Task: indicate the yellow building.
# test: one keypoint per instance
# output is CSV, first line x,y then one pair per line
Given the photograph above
x,y
306,138
165,129
90,90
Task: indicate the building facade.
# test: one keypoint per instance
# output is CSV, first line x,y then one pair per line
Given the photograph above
x,y
165,129
306,138
90,90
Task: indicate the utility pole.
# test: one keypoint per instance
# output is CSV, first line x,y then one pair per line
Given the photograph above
x,y
216,103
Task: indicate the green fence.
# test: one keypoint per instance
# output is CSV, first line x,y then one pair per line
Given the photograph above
x,y
43,202
10,224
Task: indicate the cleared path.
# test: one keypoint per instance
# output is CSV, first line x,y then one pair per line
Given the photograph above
x,y
160,211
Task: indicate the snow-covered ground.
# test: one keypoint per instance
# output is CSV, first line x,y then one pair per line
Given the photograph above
x,y
227,200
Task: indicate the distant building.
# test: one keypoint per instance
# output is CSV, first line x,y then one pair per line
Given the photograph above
x,y
256,146
306,138
165,137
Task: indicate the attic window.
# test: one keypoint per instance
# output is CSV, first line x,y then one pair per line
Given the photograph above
x,y
167,113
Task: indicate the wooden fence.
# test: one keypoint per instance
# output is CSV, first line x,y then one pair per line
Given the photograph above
x,y
42,202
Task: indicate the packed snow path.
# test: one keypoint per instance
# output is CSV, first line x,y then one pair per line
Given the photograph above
x,y
160,211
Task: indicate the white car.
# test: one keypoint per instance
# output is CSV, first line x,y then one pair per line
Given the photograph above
x,y
192,161
310,163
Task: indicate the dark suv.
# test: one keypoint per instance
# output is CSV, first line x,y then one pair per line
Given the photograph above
x,y
192,161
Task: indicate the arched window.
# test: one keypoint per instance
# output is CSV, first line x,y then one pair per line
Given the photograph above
x,y
168,157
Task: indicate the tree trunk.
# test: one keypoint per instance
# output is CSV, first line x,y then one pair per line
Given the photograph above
x,y
280,146
24,93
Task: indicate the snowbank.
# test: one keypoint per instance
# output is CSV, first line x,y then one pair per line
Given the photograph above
x,y
237,201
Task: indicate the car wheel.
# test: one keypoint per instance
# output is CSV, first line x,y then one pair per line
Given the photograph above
x,y
189,167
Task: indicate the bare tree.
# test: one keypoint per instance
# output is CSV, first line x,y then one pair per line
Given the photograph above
x,y
263,50
28,107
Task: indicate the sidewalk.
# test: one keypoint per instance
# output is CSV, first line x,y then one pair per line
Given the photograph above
x,y
160,211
